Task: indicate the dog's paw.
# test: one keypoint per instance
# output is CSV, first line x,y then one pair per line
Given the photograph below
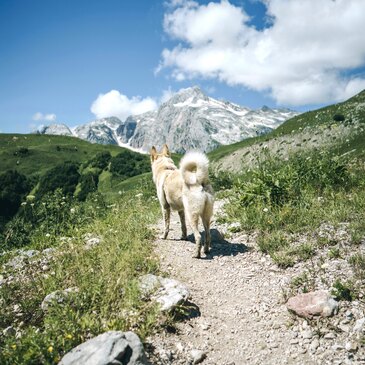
x,y
206,250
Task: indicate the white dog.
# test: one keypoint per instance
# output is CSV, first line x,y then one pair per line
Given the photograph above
x,y
186,190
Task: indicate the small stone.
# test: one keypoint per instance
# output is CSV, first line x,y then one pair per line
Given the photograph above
x,y
198,356
314,345
359,325
351,346
329,336
344,328
307,334
294,341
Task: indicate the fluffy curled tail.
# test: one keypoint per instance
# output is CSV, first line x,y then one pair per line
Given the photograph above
x,y
194,168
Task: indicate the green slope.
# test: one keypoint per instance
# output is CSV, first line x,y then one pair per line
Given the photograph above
x,y
352,110
45,151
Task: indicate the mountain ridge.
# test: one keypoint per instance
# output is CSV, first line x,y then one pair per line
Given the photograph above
x,y
189,119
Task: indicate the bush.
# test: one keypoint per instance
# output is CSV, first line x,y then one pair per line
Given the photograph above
x,y
101,160
52,215
89,183
127,164
338,117
64,177
13,188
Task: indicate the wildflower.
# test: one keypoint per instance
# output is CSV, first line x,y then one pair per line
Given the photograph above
x,y
72,210
13,346
48,235
50,349
265,210
68,336
119,192
32,205
24,203
30,197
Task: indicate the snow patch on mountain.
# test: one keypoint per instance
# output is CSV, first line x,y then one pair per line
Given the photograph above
x,y
189,119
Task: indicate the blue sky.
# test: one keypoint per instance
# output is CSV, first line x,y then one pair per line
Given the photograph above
x,y
61,60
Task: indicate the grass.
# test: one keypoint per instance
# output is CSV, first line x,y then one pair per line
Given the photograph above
x,y
106,277
280,200
45,152
316,120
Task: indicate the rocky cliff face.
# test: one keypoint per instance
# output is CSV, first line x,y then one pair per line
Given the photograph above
x,y
189,120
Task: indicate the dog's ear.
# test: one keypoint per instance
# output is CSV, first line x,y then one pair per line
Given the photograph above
x,y
165,150
153,153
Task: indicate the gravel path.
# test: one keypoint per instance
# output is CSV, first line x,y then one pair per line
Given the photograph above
x,y
238,313
241,317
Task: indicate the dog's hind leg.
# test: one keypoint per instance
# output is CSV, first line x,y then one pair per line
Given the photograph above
x,y
166,217
183,224
206,218
194,222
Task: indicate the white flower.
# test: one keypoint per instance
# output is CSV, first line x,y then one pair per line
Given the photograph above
x,y
24,203
48,235
72,210
265,210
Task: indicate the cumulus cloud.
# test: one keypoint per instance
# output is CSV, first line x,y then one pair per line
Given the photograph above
x,y
303,56
118,105
44,117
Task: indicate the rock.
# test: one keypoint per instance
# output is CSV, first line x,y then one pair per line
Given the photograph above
x,y
317,303
57,296
314,345
198,356
9,331
359,325
113,347
329,336
351,346
308,334
168,292
91,242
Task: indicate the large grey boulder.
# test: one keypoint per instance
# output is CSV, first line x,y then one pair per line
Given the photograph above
x,y
109,348
316,303
169,293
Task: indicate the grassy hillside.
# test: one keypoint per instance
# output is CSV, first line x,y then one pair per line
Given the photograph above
x,y
45,151
309,127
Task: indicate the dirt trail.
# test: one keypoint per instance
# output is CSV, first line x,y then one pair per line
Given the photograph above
x,y
241,318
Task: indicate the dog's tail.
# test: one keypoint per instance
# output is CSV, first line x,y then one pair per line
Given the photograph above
x,y
194,168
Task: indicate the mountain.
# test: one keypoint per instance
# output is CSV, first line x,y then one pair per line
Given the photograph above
x,y
56,129
339,128
190,119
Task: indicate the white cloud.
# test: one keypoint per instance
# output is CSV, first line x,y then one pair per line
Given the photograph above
x,y
44,117
118,105
300,59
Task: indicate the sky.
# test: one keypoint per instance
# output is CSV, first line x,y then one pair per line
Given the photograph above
x,y
72,61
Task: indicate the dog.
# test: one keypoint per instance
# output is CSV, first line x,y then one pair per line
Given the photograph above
x,y
186,190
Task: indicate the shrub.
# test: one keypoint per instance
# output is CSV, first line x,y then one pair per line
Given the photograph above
x,y
101,160
338,117
89,183
13,188
64,177
127,164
